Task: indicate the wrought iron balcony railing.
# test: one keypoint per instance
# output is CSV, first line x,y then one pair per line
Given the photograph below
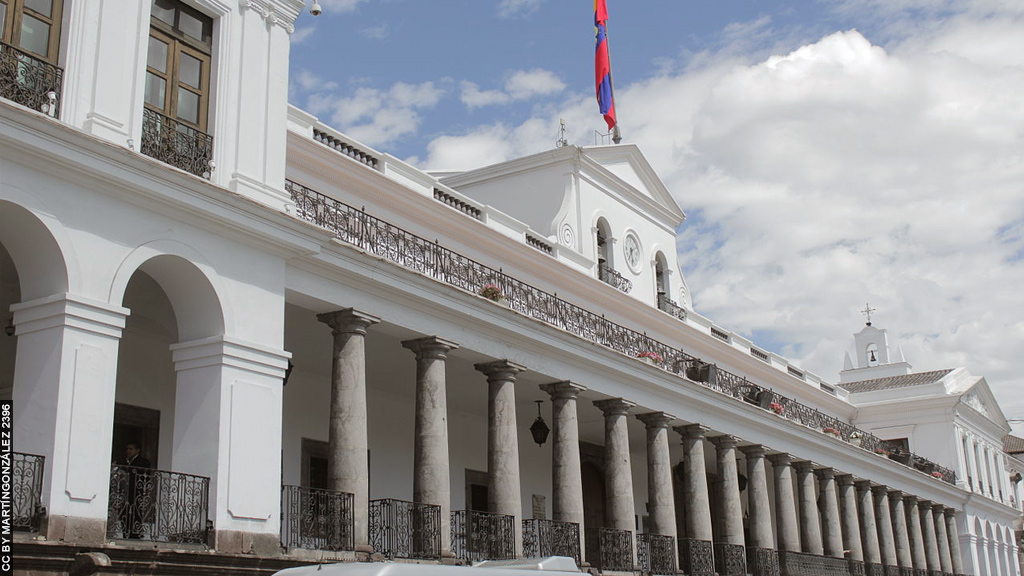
x,y
616,550
666,304
158,505
176,143
606,274
656,554
478,536
401,529
26,491
316,519
384,240
730,559
696,557
765,562
543,538
799,564
29,81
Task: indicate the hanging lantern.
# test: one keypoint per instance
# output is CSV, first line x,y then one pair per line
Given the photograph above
x,y
539,428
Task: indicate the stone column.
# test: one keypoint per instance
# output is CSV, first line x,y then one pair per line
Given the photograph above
x,y
566,469
831,532
941,538
431,481
931,545
503,491
619,511
695,484
917,548
785,503
758,507
730,504
868,525
660,502
851,525
901,537
347,461
810,523
886,532
956,560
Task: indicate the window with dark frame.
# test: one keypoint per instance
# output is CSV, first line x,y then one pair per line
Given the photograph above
x,y
178,63
33,26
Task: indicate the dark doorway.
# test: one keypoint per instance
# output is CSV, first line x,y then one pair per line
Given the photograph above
x,y
476,491
136,424
314,464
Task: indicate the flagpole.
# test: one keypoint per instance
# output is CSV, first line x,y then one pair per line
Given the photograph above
x,y
616,134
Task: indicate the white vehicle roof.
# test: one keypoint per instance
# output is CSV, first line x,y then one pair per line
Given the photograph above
x,y
554,565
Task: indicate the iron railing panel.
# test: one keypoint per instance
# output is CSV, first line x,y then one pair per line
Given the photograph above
x,y
158,505
29,81
696,557
26,490
478,536
401,529
316,519
656,553
730,559
176,143
543,538
616,550
762,561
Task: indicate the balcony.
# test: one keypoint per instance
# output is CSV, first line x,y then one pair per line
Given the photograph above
x,y
609,276
26,491
543,538
316,519
656,554
401,529
478,536
669,306
177,144
383,240
157,505
616,550
29,81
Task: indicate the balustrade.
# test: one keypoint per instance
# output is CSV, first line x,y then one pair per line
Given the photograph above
x,y
29,81
359,229
401,529
616,550
478,536
176,143
158,505
656,553
316,519
346,148
543,538
26,490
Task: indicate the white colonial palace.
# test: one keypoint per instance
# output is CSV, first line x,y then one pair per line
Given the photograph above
x,y
237,340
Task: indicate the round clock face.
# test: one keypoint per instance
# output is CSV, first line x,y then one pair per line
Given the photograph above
x,y
631,247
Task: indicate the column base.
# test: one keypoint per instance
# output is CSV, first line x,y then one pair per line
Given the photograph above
x,y
762,561
74,530
730,559
696,557
238,542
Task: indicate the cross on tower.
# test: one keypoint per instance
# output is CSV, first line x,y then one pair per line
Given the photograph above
x,y
867,311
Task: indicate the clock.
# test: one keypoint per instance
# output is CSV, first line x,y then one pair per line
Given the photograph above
x,y
631,249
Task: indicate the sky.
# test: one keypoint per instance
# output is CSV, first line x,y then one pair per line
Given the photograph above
x,y
827,153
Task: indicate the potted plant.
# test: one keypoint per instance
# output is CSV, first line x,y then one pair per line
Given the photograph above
x,y
831,431
777,408
493,293
881,451
651,357
937,474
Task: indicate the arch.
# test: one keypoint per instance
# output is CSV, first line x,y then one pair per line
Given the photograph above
x,y
871,355
40,259
602,239
662,280
192,286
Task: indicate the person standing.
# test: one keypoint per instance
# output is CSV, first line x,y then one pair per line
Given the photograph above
x,y
137,508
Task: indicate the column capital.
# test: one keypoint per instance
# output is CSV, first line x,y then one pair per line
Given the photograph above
x,y
754,450
72,311
825,473
950,512
894,493
863,485
724,441
781,459
655,419
565,389
910,499
803,466
938,508
348,321
880,490
497,370
432,347
614,406
692,431
844,479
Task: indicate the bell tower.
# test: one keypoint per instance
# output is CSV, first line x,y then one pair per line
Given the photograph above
x,y
873,357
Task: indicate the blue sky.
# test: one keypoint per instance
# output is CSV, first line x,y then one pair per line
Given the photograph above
x,y
828,153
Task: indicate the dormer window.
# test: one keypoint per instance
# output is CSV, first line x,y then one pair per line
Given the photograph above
x,y
29,51
177,87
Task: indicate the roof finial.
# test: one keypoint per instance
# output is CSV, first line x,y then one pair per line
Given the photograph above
x,y
867,311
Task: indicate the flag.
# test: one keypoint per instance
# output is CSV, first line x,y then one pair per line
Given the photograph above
x,y
603,65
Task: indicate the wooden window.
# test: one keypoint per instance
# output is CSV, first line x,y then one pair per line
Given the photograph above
x,y
33,26
178,63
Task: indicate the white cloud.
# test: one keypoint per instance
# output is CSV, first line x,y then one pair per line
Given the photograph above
x,y
376,117
519,85
836,174
474,97
512,8
376,32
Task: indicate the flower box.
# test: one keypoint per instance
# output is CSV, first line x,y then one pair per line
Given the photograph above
x,y
651,357
492,292
777,408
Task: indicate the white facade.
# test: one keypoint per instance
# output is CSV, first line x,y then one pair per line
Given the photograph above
x,y
148,300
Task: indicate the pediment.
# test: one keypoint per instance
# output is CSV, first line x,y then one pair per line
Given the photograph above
x,y
628,164
979,398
